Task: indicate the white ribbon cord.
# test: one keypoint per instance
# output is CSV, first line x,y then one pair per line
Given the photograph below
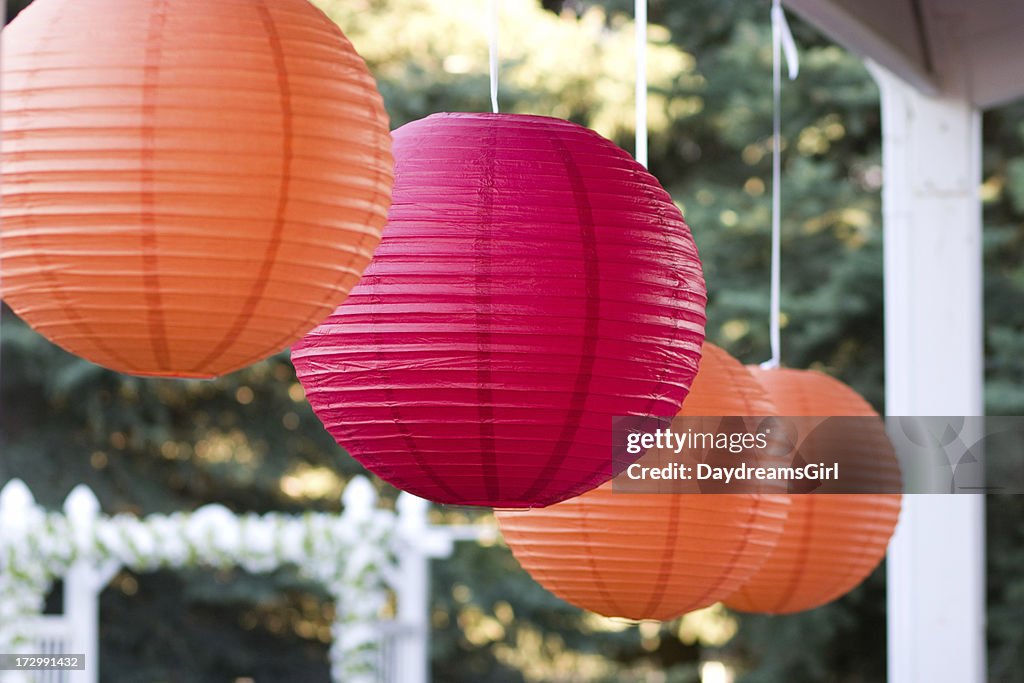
x,y
494,11
782,42
780,24
640,19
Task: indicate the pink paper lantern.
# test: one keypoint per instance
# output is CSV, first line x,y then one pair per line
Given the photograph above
x,y
534,281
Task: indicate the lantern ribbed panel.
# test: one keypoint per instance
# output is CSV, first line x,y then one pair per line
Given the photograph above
x,y
533,282
831,542
188,185
655,556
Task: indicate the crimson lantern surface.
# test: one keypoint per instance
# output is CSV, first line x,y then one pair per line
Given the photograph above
x,y
533,282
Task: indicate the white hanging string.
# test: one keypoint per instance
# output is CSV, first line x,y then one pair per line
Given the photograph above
x,y
640,19
494,10
782,41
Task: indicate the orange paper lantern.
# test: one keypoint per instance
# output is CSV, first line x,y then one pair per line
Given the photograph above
x,y
655,556
831,542
188,186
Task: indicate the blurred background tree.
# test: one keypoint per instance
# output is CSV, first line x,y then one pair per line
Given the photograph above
x,y
250,441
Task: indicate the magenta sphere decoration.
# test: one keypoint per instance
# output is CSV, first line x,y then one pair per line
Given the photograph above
x,y
533,282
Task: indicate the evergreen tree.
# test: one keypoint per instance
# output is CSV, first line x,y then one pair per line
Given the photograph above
x,y
250,441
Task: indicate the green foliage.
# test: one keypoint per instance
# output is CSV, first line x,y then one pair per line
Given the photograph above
x,y
1005,521
842,641
15,6
493,623
202,625
1003,196
250,441
432,55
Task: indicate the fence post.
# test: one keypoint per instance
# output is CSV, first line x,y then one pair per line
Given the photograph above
x,y
17,511
412,649
83,583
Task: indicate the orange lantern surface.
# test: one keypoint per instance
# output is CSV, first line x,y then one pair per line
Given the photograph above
x,y
648,555
188,186
831,542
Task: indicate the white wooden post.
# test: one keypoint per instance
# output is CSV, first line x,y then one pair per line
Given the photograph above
x,y
412,651
17,510
81,614
83,584
934,366
420,542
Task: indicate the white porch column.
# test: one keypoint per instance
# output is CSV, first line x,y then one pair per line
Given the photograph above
x,y
934,366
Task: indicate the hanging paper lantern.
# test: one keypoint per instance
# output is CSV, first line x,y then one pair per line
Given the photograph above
x,y
533,282
188,185
831,542
655,556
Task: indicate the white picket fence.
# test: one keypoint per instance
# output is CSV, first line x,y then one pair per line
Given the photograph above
x,y
389,650
51,635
